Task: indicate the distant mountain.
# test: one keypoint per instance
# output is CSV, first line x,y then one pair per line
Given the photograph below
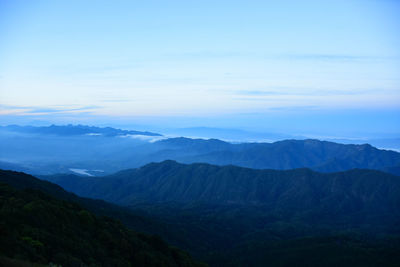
x,y
55,149
391,142
102,151
355,196
12,166
68,130
38,228
235,135
282,155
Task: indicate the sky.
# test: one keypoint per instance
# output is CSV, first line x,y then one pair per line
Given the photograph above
x,y
304,67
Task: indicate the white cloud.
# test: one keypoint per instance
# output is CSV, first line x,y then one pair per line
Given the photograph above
x,y
150,139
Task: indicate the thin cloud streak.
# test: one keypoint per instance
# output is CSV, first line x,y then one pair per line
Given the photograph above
x,y
335,57
30,110
304,92
210,54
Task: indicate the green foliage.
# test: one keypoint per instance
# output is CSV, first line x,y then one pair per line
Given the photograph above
x,y
343,219
244,236
35,227
329,251
351,198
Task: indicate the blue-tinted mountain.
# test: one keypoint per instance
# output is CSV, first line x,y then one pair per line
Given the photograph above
x,y
365,195
227,134
234,216
55,149
99,152
68,130
282,155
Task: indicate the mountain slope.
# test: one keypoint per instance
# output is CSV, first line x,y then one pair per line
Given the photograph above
x,y
99,151
140,222
355,196
38,228
253,234
288,154
233,216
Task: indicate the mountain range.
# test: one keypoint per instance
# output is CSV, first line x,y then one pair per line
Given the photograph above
x,y
228,204
101,151
287,154
359,196
70,129
234,216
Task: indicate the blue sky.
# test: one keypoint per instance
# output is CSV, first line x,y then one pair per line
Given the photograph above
x,y
292,65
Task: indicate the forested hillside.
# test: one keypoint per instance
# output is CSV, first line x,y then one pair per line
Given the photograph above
x,y
38,228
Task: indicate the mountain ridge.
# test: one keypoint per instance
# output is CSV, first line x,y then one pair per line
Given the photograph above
x,y
373,195
238,235
289,154
74,130
48,153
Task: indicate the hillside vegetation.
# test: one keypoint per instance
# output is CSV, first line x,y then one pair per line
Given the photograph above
x,y
39,228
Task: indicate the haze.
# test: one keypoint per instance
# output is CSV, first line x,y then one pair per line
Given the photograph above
x,y
325,69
